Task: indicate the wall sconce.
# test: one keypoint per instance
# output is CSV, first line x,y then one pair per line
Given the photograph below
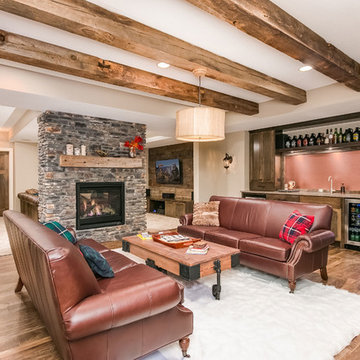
x,y
227,160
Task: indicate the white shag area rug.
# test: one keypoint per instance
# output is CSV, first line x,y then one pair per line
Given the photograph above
x,y
257,318
157,222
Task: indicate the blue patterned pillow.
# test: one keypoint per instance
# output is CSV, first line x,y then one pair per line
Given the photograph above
x,y
97,262
59,229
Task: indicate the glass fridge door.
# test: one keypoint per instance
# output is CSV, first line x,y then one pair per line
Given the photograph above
x,y
353,222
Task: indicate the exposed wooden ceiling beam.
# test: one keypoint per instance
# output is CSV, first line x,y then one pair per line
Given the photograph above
x,y
270,24
37,53
86,19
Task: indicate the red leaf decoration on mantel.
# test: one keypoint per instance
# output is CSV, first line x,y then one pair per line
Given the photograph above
x,y
135,143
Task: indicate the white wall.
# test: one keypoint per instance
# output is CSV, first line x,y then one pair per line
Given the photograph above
x,y
26,163
4,139
210,177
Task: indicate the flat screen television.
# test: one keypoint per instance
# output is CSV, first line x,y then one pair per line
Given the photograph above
x,y
168,171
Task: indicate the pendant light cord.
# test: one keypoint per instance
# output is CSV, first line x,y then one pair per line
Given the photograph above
x,y
199,91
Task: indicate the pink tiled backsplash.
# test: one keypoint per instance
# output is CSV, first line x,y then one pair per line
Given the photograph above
x,y
312,171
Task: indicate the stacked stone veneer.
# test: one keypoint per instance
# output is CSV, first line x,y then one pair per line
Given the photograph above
x,y
57,190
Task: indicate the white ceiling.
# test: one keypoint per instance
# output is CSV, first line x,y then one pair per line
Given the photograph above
x,y
336,21
5,112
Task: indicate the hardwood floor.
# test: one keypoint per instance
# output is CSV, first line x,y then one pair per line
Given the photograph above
x,y
24,337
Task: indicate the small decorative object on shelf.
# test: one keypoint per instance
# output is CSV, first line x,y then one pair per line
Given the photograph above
x,y
133,145
83,150
69,149
101,153
342,189
77,151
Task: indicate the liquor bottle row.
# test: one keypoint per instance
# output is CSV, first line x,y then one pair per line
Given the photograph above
x,y
328,138
354,234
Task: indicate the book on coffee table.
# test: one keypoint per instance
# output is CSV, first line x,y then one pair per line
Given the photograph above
x,y
198,249
145,236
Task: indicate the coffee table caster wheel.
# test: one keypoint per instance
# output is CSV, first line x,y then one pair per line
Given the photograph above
x,y
216,291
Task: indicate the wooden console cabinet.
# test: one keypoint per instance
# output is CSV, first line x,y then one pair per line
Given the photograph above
x,y
170,207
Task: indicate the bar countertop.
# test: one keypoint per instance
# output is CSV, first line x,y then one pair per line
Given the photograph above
x,y
300,192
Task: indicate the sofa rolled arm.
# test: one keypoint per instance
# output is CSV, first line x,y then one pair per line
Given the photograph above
x,y
315,240
186,219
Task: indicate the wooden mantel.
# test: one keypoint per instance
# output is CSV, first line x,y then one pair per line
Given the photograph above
x,y
99,162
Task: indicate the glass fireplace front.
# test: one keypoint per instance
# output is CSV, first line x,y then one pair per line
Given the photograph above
x,y
99,204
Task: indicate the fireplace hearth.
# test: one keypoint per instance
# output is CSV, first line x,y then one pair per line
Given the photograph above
x,y
99,204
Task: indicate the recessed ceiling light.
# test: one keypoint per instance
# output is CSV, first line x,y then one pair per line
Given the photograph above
x,y
163,65
305,68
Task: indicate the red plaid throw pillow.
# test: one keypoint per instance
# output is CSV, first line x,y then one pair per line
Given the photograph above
x,y
295,225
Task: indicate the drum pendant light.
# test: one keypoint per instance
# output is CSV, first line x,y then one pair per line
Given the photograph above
x,y
200,123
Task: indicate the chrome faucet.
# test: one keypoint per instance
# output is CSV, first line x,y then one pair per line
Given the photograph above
x,y
331,184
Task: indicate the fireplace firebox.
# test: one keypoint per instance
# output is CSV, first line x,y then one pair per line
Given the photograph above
x,y
99,204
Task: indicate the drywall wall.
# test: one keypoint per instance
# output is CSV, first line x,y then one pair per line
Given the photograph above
x,y
26,165
210,176
4,139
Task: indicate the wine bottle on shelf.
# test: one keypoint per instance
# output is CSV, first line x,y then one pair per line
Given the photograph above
x,y
312,140
318,139
327,139
293,141
344,135
355,135
331,137
349,135
335,138
322,138
340,137
288,142
306,140
299,142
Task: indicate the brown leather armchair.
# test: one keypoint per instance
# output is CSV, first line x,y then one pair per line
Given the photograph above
x,y
253,226
125,317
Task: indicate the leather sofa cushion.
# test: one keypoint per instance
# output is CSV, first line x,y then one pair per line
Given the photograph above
x,y
198,231
135,293
118,262
226,209
246,215
271,248
94,244
280,211
228,237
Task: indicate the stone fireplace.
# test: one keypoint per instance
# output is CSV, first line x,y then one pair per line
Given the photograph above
x,y
99,204
121,211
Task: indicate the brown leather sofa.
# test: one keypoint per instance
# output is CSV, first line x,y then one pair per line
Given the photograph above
x,y
253,226
124,317
29,205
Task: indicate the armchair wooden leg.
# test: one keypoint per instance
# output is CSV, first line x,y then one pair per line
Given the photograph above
x,y
292,286
323,273
184,344
19,286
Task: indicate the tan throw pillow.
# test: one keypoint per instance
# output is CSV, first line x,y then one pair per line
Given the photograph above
x,y
206,214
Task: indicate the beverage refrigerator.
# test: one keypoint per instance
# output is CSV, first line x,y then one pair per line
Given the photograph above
x,y
352,223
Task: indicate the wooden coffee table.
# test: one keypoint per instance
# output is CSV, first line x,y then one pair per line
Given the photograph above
x,y
176,261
